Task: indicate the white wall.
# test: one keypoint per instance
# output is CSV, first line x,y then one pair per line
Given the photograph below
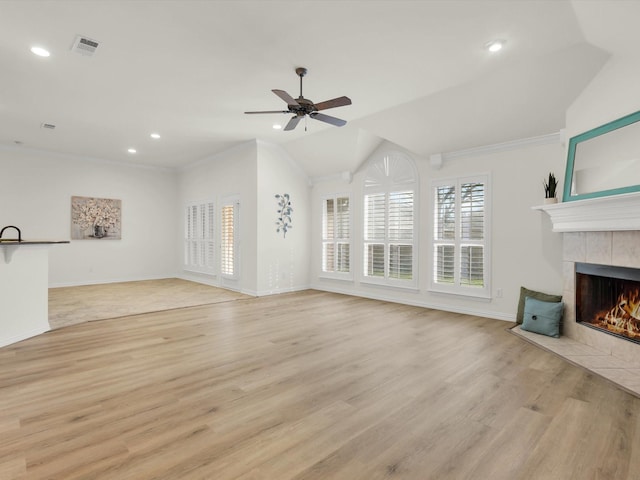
x,y
35,194
612,94
282,261
525,252
23,292
230,173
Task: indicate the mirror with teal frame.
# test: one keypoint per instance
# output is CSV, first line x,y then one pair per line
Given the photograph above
x,y
604,161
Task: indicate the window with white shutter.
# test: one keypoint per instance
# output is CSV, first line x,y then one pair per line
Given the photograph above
x,y
229,239
460,236
389,221
199,243
336,236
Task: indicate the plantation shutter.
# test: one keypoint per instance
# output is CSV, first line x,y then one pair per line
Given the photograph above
x,y
390,200
460,236
343,235
444,234
199,251
336,235
472,234
401,235
227,241
328,232
374,234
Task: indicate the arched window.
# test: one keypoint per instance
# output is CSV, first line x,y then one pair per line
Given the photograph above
x,y
389,245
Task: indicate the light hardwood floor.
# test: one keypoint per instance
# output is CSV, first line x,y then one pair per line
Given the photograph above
x,y
73,305
310,385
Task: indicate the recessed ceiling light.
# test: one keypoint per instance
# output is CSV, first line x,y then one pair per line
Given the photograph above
x,y
132,150
41,52
155,136
495,45
277,126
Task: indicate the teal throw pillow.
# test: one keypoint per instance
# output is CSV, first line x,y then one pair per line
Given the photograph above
x,y
525,292
542,317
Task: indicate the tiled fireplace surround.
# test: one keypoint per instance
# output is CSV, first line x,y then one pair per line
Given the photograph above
x,y
604,248
606,232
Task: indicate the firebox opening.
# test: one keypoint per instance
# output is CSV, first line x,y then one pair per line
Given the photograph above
x,y
608,299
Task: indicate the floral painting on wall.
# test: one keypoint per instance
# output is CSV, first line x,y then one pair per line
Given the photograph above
x,y
95,218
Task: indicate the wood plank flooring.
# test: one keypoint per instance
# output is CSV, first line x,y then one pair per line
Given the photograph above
x,y
310,385
86,303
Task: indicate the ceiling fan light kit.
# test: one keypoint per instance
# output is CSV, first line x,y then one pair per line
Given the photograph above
x,y
302,107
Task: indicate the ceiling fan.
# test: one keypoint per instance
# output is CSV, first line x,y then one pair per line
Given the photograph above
x,y
302,107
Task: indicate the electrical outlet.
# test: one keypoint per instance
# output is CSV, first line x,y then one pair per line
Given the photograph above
x,y
499,293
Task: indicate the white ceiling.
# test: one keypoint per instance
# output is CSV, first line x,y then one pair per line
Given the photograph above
x,y
416,71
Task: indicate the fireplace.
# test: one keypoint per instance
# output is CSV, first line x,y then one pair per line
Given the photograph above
x,y
608,299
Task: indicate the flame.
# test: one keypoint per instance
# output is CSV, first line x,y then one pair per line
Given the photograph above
x,y
624,317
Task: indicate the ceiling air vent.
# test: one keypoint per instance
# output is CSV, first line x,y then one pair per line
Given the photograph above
x,y
84,46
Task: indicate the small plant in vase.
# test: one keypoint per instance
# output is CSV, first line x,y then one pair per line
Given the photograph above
x,y
550,187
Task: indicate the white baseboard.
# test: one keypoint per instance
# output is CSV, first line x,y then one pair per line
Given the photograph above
x,y
81,283
4,341
419,303
210,280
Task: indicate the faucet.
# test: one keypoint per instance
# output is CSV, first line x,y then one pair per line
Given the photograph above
x,y
16,228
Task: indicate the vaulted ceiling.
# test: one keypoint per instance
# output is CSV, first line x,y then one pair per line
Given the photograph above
x,y
417,72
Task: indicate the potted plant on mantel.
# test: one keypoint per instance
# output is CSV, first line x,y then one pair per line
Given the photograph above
x,y
550,187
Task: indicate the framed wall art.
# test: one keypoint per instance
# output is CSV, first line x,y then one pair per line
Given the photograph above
x,y
96,218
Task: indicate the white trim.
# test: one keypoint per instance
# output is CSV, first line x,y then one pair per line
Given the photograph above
x,y
602,214
211,280
549,139
462,290
94,281
419,303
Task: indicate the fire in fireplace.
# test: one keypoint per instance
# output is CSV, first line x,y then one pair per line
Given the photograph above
x,y
608,299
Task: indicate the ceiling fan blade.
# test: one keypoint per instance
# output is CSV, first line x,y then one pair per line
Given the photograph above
x,y
333,103
270,111
293,122
286,97
328,119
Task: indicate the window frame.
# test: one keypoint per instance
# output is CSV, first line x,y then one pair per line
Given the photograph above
x,y
335,240
385,185
234,203
458,242
202,235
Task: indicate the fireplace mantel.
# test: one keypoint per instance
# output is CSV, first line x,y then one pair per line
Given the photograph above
x,y
614,213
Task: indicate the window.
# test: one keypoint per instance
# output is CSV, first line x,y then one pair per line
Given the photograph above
x,y
336,233
389,222
460,236
199,252
229,239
